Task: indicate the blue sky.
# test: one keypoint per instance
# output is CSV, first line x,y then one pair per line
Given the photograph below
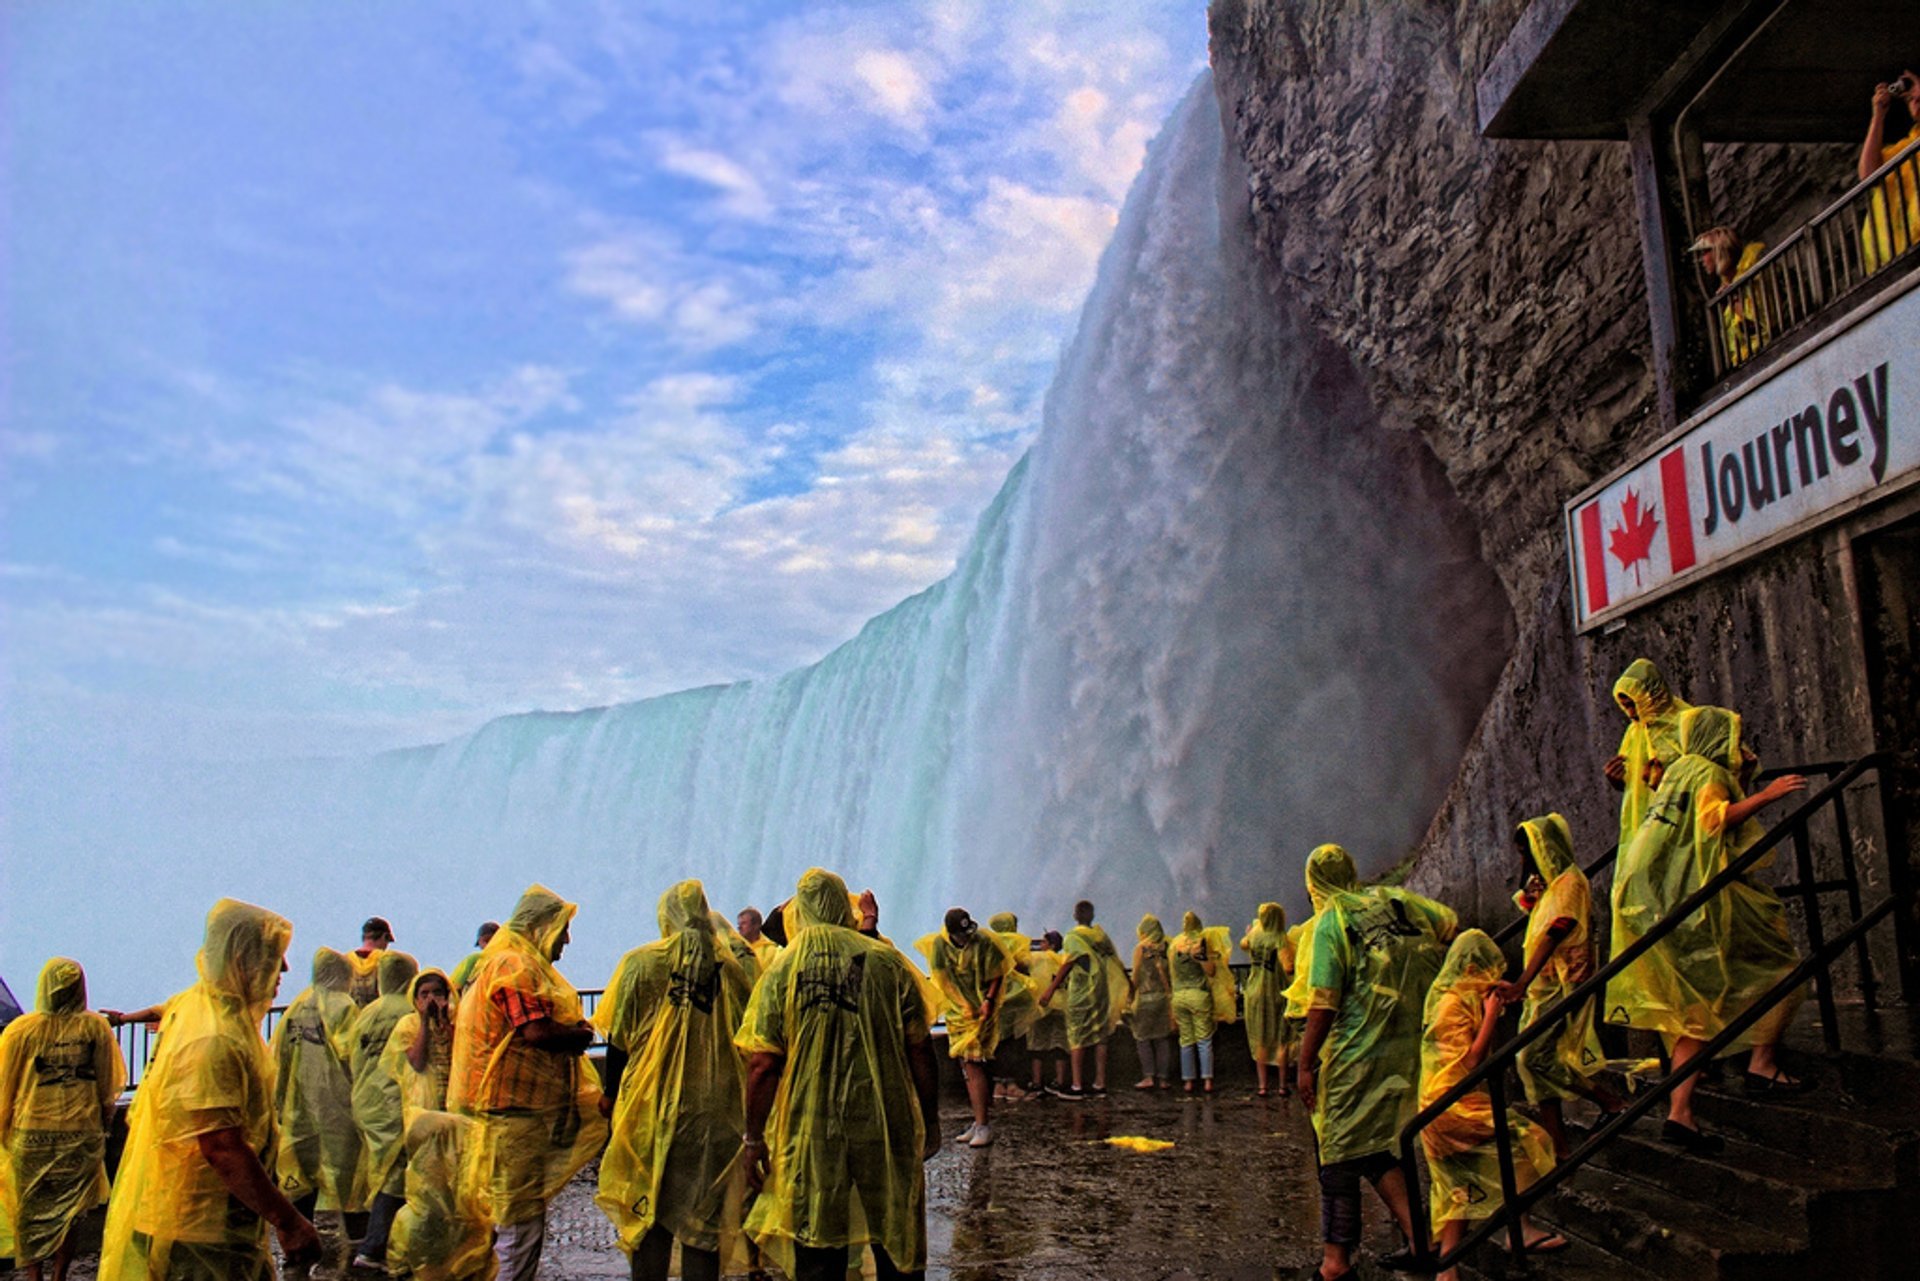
x,y
368,370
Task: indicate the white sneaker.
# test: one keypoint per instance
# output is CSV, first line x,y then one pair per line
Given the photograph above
x,y
966,1135
980,1136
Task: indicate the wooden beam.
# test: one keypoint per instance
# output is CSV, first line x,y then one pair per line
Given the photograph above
x,y
1654,177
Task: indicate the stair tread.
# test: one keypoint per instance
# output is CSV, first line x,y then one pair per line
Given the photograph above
x,y
1675,1216
1742,1159
1581,1261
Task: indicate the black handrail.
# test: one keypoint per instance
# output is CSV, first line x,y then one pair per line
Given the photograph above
x,y
1491,1072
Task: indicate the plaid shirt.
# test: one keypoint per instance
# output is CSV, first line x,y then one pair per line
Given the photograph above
x,y
521,1076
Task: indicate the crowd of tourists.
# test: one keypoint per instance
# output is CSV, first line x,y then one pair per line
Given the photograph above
x,y
768,1096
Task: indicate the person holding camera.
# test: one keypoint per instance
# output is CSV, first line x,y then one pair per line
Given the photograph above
x,y
1894,223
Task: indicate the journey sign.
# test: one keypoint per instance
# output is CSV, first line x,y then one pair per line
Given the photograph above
x,y
1823,435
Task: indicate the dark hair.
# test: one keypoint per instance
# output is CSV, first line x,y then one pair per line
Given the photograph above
x,y
959,924
378,927
1083,912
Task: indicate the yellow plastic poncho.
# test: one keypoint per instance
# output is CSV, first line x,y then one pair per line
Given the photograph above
x,y
1653,734
1893,224
765,953
736,944
1558,1066
1375,952
845,1136
171,1215
539,1112
1270,946
420,1091
1201,1002
1461,1158
1019,1000
377,1109
60,1077
961,977
1329,871
1724,956
1152,982
672,1008
1096,986
443,1233
364,987
320,1148
463,972
1048,1031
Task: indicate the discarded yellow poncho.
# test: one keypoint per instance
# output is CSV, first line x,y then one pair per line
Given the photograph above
x,y
1653,735
1557,1065
1201,1002
320,1149
420,1091
1152,983
961,978
1461,1159
377,1109
1096,987
672,1008
1724,956
539,1112
443,1233
1329,871
1267,942
845,1137
1048,1031
171,1215
1136,1143
60,1077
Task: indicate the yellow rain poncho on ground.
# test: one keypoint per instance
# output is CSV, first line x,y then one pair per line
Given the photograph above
x,y
1557,1066
1152,983
376,1089
1329,871
845,1137
320,1145
539,1112
443,1233
1270,946
1461,1158
961,977
420,1091
171,1215
673,1008
1653,734
1096,987
1694,981
1048,1031
1375,952
60,1077
1201,1001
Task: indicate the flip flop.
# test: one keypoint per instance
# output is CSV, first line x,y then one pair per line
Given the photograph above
x,y
1552,1243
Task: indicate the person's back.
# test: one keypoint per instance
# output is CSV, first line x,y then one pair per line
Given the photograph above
x,y
319,1154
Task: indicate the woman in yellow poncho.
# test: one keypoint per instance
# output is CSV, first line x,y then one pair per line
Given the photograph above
x,y
1462,1014
419,1053
377,1107
1202,995
1047,1034
1019,1003
1269,1035
192,1197
60,1079
1329,870
319,1155
1153,1030
1651,743
1893,225
971,970
1728,953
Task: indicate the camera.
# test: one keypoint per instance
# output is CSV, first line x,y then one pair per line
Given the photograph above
x,y
1902,87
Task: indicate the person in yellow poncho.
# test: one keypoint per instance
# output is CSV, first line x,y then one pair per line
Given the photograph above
x,y
1729,952
1462,1018
419,1053
1047,1034
1202,995
193,1196
1097,988
1018,1007
319,1155
443,1232
1893,225
1651,743
738,947
518,1070
1153,1029
765,950
463,972
1746,318
672,1169
1375,952
60,1079
841,1096
376,936
1557,957
1269,1036
377,1109
1329,870
971,970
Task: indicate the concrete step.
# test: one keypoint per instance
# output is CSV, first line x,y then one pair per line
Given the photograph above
x,y
1750,1183
1581,1261
1668,1236
1872,1145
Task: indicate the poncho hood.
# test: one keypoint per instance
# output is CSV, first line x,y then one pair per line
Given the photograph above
x,y
1474,964
62,988
1548,843
242,951
821,899
540,918
1330,871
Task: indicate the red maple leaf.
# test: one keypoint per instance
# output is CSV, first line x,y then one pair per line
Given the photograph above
x,y
1631,541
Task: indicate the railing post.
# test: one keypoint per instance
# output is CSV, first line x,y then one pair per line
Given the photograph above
x,y
1503,1145
1863,955
1893,821
1816,935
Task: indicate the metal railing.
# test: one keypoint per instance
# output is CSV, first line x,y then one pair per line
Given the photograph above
x,y
1491,1074
1860,235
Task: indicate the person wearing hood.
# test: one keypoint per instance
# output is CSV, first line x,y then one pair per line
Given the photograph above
x,y
193,1196
1203,995
443,1232
841,1096
1730,952
1153,1029
1018,1008
1462,1015
518,1069
971,969
1097,985
1651,743
377,1108
419,1053
752,929
318,1161
1047,1033
376,936
60,1079
463,972
1375,953
1269,1035
677,1090
1329,871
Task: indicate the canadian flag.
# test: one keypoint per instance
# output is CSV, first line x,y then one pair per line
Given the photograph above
x,y
1636,533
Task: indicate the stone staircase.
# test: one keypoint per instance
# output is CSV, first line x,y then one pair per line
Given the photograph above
x,y
1821,1184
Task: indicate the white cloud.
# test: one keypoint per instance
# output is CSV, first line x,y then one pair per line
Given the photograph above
x,y
742,193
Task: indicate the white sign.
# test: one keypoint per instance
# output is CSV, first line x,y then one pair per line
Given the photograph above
x,y
1824,434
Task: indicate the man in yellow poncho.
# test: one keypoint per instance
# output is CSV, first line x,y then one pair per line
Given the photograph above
x,y
672,1169
1202,995
193,1197
765,949
841,1096
1097,987
1462,1018
1893,225
60,1079
1651,743
1731,951
1152,1012
1375,952
463,972
741,950
377,1109
518,1070
376,936
971,969
1269,1035
319,1156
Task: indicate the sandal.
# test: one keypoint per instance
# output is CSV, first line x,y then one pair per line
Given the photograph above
x,y
1691,1141
1548,1243
1780,1083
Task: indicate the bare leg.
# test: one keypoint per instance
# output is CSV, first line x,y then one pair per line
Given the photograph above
x,y
63,1258
1680,1102
1039,1079
1335,1260
1764,1062
1260,1073
1100,1066
1280,1066
1079,1057
1392,1188
1451,1233
1552,1122
979,1089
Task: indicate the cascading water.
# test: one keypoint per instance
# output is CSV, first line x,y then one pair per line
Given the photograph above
x,y
1217,615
